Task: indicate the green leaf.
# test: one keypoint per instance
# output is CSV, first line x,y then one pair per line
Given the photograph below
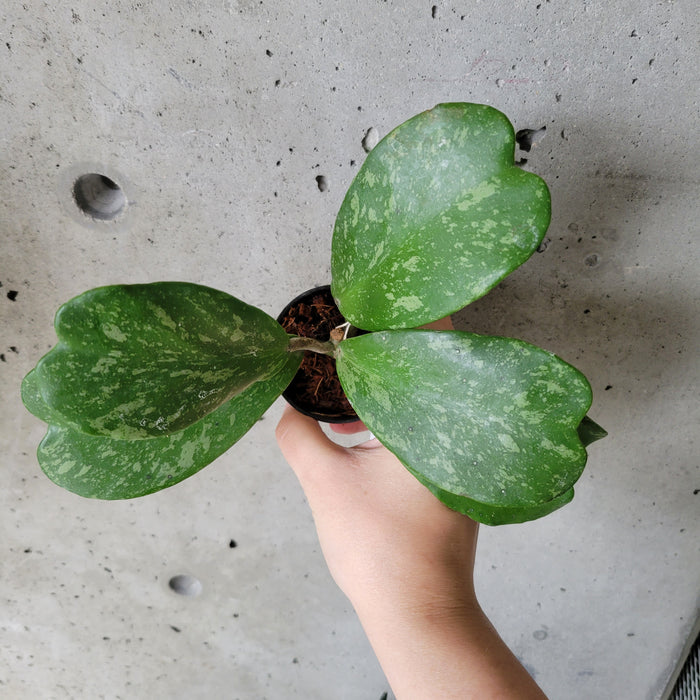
x,y
496,515
493,515
437,215
102,467
489,419
589,431
146,360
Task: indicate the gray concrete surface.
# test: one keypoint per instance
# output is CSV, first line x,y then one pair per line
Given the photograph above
x,y
216,118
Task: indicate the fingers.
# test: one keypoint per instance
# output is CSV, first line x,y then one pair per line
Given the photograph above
x,y
304,445
348,428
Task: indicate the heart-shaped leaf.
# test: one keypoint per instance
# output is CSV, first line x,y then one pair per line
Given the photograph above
x,y
490,419
437,215
107,468
146,360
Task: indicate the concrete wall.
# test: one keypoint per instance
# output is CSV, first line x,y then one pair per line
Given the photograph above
x,y
216,118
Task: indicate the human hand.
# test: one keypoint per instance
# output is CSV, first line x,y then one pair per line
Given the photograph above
x,y
406,563
387,540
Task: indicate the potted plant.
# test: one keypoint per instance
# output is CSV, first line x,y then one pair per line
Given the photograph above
x,y
151,382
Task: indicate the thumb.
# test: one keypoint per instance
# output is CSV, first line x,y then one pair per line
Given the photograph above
x,y
305,446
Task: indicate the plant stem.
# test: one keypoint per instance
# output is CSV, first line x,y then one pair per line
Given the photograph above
x,y
298,344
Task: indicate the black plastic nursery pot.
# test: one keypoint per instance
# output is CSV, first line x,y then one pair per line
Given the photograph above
x,y
315,390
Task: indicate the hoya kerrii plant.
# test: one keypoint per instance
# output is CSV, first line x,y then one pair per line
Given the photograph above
x,y
149,383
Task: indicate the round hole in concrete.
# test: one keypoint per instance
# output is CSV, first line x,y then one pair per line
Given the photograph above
x,y
98,196
185,584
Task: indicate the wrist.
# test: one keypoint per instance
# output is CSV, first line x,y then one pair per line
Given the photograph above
x,y
446,649
420,600
415,580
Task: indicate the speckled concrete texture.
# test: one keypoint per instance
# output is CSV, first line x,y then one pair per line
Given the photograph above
x,y
233,129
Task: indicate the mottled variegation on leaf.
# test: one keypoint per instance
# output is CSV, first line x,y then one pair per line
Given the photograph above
x,y
490,514
147,360
493,420
107,468
437,215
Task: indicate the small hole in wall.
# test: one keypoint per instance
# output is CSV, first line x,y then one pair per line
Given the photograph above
x,y
184,584
527,138
99,197
322,182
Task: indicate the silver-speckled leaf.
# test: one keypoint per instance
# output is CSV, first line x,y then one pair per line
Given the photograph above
x,y
495,515
437,215
490,419
102,467
146,360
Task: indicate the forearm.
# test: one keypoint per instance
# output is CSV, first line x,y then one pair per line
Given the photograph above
x,y
406,563
453,652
